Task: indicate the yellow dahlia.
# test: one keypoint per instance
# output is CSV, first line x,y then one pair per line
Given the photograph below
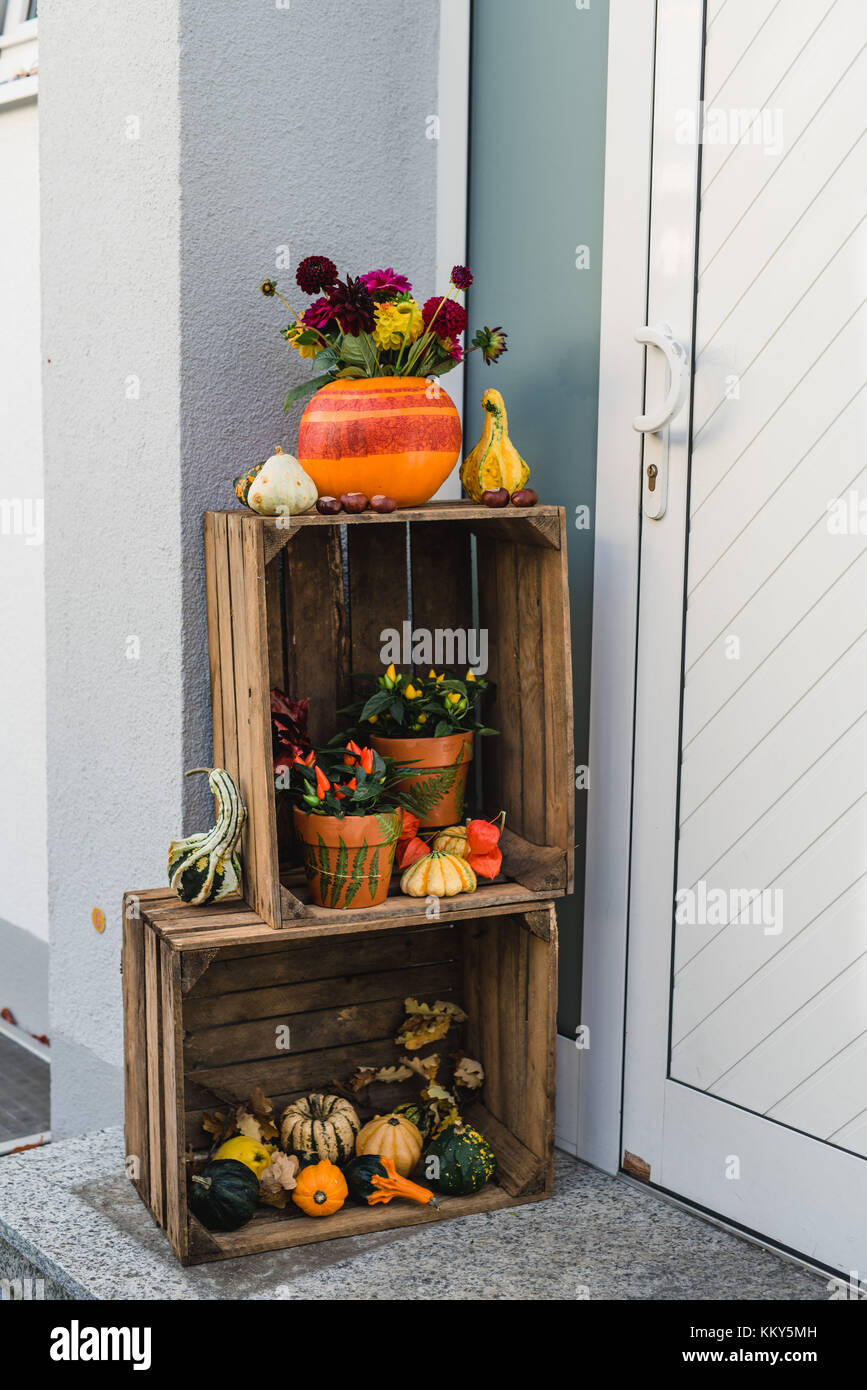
x,y
390,323
305,349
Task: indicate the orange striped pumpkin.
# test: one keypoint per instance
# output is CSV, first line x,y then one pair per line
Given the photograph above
x,y
395,435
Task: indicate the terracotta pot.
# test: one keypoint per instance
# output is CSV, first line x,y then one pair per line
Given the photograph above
x,y
443,765
382,434
348,861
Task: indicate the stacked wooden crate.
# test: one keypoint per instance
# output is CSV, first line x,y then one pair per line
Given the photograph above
x,y
207,989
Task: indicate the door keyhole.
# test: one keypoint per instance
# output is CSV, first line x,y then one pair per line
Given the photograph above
x,y
652,471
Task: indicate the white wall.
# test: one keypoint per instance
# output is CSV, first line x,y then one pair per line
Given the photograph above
x,y
254,127
23,894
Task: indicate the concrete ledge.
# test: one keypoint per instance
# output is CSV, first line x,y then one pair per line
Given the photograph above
x,y
69,1215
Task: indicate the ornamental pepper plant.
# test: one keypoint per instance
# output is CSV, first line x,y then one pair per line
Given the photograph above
x,y
347,781
397,705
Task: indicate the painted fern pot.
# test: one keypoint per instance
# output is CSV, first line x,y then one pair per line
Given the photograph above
x,y
395,435
439,779
348,860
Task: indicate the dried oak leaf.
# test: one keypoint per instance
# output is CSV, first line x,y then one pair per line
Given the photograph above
x,y
469,1073
439,1006
214,1122
426,1067
361,1077
418,1031
443,1105
390,1074
278,1180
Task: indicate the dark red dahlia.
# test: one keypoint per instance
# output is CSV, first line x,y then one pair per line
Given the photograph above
x,y
353,306
461,277
449,318
315,274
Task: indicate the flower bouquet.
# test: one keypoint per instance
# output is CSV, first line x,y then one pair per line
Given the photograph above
x,y
379,424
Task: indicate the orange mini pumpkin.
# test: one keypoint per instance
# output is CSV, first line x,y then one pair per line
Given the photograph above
x,y
392,1136
320,1189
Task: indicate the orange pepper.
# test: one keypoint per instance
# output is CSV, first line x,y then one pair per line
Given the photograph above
x,y
322,783
367,759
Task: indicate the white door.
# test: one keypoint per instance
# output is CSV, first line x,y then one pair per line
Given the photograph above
x,y
746,1046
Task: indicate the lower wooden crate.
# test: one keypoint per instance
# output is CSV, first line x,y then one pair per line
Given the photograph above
x,y
203,1002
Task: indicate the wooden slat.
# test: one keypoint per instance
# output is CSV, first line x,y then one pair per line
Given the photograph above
x,y
259,840
173,1100
331,1027
136,1135
215,531
290,1229
304,1071
317,641
153,1031
378,591
558,711
442,592
301,961
220,643
534,1122
281,1002
519,1170
274,580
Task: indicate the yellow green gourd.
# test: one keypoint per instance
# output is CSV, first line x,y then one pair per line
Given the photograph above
x,y
204,867
495,462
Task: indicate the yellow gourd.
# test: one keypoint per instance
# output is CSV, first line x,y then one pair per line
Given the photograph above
x,y
452,840
495,462
250,1152
438,875
394,1137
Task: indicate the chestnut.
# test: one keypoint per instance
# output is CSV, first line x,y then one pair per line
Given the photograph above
x,y
496,497
328,506
380,503
353,502
525,497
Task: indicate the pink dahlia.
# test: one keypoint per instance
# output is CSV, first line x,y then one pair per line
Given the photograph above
x,y
318,314
385,284
462,277
449,318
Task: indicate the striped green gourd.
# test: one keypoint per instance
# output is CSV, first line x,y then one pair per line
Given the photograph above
x,y
204,867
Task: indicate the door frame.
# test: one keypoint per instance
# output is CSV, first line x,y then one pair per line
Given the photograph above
x,y
626,221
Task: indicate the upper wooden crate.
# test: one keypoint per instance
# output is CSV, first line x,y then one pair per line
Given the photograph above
x,y
304,606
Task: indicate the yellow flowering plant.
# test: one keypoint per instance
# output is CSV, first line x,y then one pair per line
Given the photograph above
x,y
401,705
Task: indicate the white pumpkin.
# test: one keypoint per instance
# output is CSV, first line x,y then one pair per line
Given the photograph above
x,y
281,487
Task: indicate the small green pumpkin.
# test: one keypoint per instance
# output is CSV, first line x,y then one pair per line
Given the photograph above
x,y
465,1160
244,481
372,1179
204,867
224,1195
419,1114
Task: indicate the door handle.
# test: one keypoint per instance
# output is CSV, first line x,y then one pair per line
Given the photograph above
x,y
660,335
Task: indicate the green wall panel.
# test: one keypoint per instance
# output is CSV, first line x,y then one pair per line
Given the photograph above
x,y
537,147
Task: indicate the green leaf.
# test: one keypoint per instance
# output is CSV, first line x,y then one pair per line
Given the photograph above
x,y
356,873
339,873
307,388
442,728
324,872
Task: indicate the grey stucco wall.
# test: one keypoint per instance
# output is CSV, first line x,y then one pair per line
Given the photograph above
x,y
182,145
